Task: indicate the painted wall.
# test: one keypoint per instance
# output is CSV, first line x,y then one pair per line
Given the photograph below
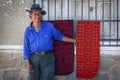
x,y
13,21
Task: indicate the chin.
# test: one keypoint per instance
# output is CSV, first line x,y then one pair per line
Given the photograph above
x,y
37,20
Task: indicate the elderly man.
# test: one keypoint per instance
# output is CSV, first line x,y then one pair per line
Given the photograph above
x,y
38,48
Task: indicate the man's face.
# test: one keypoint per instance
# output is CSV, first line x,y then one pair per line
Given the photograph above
x,y
36,16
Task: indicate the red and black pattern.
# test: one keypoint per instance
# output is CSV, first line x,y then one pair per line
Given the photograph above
x,y
87,48
64,51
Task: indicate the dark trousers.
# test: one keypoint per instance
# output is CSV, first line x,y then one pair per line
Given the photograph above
x,y
43,66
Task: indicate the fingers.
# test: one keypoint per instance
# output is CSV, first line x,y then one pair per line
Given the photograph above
x,y
31,71
30,68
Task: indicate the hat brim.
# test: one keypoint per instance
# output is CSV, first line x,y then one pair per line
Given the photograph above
x,y
42,11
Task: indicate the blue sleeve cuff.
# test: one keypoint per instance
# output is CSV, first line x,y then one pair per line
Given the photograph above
x,y
61,37
25,57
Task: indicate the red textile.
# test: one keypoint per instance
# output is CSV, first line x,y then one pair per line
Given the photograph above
x,y
87,48
64,51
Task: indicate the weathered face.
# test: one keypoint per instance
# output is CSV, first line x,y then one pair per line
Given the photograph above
x,y
36,16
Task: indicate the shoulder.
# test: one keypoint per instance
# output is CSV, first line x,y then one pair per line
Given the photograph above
x,y
27,30
47,23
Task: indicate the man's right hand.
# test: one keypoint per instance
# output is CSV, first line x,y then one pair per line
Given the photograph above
x,y
29,66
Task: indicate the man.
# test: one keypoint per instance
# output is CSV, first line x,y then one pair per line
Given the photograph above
x,y
38,48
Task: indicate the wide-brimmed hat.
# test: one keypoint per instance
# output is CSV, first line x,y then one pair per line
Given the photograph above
x,y
36,7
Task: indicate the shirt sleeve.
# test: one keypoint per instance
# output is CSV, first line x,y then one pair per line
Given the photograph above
x,y
56,33
26,53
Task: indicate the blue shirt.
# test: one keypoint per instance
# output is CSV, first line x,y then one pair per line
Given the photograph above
x,y
41,40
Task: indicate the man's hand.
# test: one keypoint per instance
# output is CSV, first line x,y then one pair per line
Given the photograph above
x,y
29,66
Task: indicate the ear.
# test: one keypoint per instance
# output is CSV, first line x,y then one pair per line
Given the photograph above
x,y
30,16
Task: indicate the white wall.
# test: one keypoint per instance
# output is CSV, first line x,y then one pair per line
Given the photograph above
x,y
13,21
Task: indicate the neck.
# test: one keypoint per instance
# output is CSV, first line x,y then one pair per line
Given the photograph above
x,y
36,24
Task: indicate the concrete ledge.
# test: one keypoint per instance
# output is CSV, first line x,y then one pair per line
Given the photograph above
x,y
19,49
11,47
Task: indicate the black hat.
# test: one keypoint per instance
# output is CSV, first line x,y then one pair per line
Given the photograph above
x,y
36,7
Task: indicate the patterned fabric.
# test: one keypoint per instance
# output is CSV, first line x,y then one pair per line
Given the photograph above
x,y
64,51
87,48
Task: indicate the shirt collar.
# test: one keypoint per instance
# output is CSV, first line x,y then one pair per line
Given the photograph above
x,y
31,27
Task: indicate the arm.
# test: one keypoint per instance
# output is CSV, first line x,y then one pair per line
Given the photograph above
x,y
26,54
67,39
59,36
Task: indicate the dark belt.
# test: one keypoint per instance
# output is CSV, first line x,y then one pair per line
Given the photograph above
x,y
43,52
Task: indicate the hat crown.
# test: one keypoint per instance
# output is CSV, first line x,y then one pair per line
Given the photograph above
x,y
36,7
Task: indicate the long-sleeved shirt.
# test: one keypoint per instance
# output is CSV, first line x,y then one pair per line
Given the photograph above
x,y
41,40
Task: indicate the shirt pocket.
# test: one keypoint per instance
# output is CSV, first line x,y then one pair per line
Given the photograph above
x,y
47,37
